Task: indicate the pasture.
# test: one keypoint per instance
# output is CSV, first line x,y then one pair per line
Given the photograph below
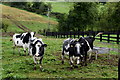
x,y
61,7
20,66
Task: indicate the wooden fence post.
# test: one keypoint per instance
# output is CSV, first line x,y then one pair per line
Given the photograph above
x,y
61,34
67,34
70,35
64,34
74,34
56,34
100,37
117,38
108,37
82,34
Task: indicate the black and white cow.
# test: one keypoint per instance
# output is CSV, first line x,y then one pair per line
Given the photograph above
x,y
87,46
71,47
37,51
23,40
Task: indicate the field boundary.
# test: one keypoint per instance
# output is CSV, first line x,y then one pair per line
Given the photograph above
x,y
106,36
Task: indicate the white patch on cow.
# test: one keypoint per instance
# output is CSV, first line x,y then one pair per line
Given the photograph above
x,y
71,60
38,45
88,46
78,60
67,46
78,47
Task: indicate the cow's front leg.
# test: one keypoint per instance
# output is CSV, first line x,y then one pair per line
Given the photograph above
x,y
71,61
90,53
29,47
78,60
35,62
41,62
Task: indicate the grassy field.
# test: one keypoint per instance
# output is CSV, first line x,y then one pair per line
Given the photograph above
x,y
61,7
20,66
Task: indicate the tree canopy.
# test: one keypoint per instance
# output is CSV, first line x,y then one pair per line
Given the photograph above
x,y
92,16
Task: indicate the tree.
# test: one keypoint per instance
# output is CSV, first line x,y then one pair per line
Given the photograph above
x,y
116,17
80,17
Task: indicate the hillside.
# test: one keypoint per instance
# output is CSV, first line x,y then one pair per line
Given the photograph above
x,y
61,7
30,20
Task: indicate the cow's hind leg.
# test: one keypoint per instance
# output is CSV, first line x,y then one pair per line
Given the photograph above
x,y
35,62
14,48
90,53
41,63
62,56
85,59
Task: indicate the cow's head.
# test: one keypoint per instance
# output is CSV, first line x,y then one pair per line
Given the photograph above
x,y
39,47
75,46
32,35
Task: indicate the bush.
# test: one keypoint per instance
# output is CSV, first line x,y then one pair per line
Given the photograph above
x,y
4,27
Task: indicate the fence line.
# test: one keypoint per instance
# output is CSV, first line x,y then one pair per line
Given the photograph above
x,y
106,36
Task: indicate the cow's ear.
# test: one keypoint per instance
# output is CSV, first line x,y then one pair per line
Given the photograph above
x,y
80,39
44,45
34,33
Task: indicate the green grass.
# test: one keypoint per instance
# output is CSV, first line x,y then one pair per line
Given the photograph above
x,y
61,7
16,66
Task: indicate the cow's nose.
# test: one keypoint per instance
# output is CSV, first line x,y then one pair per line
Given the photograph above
x,y
36,55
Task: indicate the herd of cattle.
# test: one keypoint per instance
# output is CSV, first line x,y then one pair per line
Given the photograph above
x,y
77,49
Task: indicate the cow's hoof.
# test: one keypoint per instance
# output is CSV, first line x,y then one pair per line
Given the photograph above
x,y
85,64
75,66
41,69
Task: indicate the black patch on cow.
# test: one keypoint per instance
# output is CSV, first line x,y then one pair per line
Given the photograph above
x,y
17,42
72,49
90,41
18,36
85,46
22,37
26,38
33,50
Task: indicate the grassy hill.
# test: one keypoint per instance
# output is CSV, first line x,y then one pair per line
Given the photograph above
x,y
30,20
61,7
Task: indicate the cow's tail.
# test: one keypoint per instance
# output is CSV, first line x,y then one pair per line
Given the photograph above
x,y
99,34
